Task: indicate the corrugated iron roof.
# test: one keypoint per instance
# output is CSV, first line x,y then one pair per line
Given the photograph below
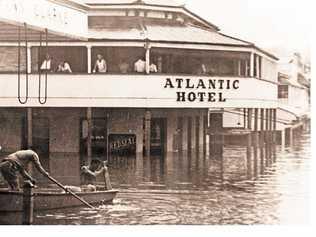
x,y
184,34
170,3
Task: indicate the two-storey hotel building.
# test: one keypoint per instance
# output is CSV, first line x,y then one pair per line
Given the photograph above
x,y
171,79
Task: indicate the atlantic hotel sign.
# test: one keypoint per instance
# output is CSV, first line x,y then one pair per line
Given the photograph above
x,y
45,14
200,90
144,91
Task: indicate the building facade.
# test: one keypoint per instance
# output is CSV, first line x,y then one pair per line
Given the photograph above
x,y
168,82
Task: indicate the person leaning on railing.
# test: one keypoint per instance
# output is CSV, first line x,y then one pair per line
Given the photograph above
x,y
100,65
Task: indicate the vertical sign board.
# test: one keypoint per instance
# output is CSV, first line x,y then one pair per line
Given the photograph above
x,y
48,14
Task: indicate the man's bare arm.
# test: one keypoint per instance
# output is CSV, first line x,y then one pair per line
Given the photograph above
x,y
38,165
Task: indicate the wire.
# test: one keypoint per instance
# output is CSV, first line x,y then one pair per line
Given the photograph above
x,y
39,71
26,64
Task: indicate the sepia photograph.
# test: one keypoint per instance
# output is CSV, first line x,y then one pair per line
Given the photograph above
x,y
155,112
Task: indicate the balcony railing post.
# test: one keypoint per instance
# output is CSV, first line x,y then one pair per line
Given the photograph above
x,y
252,64
29,58
89,58
147,57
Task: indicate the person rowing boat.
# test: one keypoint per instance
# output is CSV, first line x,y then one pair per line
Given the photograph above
x,y
17,163
96,169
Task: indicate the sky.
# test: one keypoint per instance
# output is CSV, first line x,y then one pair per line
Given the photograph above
x,y
281,26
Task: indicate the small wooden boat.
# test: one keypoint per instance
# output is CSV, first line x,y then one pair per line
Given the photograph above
x,y
12,201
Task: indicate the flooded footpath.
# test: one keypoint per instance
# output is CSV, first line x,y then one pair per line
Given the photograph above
x,y
267,187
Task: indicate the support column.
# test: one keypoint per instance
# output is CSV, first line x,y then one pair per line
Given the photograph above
x,y
255,128
239,68
29,60
274,125
89,137
140,136
147,56
201,132
249,122
261,127
283,139
193,133
258,67
185,134
89,61
205,127
266,125
171,129
252,64
29,127
147,132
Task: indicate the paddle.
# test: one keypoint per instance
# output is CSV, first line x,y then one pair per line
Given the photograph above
x,y
69,191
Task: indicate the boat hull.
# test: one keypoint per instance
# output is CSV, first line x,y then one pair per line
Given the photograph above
x,y
13,201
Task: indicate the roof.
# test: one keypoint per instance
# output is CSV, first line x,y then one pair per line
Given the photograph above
x,y
167,3
166,33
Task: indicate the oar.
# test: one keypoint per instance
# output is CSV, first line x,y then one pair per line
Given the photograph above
x,y
69,191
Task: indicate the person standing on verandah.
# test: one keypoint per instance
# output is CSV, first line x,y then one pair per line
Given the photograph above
x,y
18,162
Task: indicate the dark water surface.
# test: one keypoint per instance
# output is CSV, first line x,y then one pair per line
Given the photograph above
x,y
270,186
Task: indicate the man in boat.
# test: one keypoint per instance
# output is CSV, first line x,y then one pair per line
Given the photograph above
x,y
90,173
18,162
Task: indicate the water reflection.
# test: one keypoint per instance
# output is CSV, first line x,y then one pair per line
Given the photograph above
x,y
236,185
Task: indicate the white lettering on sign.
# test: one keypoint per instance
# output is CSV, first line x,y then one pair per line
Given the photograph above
x,y
200,90
45,14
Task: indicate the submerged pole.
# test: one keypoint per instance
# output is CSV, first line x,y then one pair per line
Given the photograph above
x,y
28,203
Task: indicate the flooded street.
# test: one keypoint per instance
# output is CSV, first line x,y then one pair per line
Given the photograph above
x,y
268,187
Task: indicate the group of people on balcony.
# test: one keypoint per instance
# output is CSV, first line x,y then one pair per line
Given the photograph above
x,y
63,66
100,66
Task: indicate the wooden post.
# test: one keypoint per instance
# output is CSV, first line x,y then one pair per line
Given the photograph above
x,y
147,59
249,123
89,61
29,60
89,137
201,132
184,134
147,132
245,118
193,133
205,127
266,125
249,170
239,68
29,127
274,125
255,133
28,203
252,64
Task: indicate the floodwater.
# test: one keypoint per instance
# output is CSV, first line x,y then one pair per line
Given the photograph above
x,y
267,186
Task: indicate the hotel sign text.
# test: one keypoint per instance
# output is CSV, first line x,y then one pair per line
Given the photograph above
x,y
201,90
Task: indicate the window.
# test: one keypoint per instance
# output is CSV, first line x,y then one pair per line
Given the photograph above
x,y
283,92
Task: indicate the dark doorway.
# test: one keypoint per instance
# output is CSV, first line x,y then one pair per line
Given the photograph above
x,y
158,136
98,139
40,140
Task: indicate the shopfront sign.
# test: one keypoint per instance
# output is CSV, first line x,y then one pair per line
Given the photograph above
x,y
45,14
122,144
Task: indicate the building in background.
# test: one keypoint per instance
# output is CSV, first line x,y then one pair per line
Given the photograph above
x,y
293,96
